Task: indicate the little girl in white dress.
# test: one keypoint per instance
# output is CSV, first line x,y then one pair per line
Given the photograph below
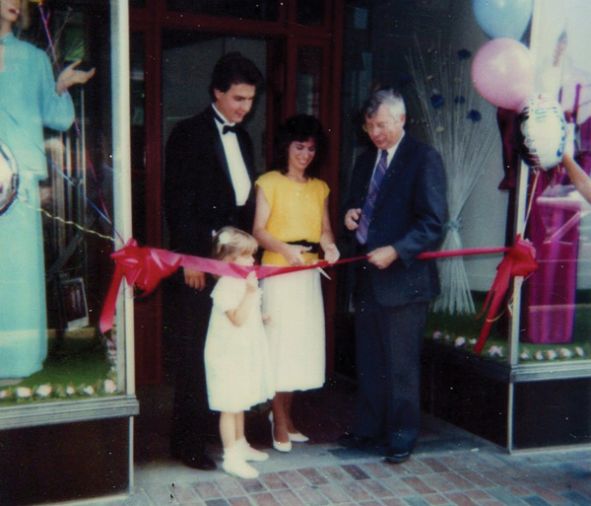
x,y
237,364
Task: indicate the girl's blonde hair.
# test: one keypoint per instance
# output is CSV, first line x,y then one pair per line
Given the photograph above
x,y
232,242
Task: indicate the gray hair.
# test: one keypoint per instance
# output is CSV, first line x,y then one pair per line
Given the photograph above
x,y
388,97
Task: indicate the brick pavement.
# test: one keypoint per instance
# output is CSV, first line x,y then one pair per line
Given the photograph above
x,y
449,467
482,476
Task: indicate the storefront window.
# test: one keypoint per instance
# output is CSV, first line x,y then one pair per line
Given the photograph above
x,y
58,233
308,80
310,12
265,10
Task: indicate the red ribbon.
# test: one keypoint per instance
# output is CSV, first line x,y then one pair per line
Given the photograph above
x,y
144,268
520,260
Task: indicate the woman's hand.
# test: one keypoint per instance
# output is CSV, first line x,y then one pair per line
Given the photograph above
x,y
70,76
331,253
293,253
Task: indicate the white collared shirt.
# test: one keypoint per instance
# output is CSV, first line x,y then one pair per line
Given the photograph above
x,y
238,171
391,153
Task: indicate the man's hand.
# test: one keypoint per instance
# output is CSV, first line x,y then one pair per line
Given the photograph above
x,y
195,279
352,219
382,257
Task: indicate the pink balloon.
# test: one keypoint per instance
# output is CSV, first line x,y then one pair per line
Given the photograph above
x,y
503,73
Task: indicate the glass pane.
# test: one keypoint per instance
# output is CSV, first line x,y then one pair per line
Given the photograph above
x,y
138,139
308,80
310,12
556,318
57,234
264,10
188,59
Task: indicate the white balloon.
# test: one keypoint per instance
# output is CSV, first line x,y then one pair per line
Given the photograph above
x,y
544,132
8,178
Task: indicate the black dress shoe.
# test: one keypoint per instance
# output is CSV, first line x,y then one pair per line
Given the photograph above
x,y
352,440
195,460
396,457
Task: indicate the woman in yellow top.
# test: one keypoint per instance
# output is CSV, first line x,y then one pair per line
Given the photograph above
x,y
292,226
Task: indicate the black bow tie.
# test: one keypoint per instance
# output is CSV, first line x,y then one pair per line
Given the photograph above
x,y
226,128
229,128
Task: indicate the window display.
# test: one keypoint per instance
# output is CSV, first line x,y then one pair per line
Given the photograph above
x,y
58,223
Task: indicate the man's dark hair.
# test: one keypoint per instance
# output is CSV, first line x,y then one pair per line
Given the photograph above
x,y
299,128
233,68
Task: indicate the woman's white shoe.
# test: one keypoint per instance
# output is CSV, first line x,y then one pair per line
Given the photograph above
x,y
297,437
278,445
294,437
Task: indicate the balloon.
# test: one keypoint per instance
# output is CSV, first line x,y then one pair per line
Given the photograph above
x,y
543,130
8,178
503,18
503,73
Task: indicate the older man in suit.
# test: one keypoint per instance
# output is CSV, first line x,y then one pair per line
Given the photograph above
x,y
396,210
208,184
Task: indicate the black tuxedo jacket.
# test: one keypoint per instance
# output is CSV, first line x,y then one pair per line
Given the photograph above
x,y
409,214
199,199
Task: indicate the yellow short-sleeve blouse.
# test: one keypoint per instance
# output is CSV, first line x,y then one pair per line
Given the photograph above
x,y
295,211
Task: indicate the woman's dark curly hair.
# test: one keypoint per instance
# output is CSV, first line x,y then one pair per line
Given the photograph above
x,y
299,128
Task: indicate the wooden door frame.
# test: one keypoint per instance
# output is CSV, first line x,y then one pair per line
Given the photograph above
x,y
151,21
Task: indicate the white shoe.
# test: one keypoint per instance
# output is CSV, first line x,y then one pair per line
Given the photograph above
x,y
250,453
297,437
294,437
278,445
235,464
240,468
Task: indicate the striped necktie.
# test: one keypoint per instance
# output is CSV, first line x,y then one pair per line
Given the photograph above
x,y
370,200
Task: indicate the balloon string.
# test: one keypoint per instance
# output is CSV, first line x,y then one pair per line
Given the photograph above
x,y
531,197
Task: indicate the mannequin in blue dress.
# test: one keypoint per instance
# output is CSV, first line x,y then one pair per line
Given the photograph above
x,y
30,99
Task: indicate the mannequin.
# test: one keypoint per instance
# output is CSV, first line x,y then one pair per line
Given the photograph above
x,y
31,99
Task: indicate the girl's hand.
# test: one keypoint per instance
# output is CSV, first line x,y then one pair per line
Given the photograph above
x,y
70,76
266,318
293,253
252,282
331,253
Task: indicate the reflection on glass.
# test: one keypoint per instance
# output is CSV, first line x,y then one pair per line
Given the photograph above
x,y
264,10
557,311
138,140
310,12
67,196
309,67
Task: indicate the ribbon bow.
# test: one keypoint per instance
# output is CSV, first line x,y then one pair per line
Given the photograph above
x,y
142,268
520,260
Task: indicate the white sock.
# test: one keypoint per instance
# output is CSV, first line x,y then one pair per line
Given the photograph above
x,y
250,453
235,464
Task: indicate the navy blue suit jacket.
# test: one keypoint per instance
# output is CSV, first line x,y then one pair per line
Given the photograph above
x,y
409,214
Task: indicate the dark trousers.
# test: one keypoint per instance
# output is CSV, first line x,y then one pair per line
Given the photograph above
x,y
192,421
388,346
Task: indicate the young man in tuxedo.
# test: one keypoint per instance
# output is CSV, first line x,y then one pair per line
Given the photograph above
x,y
208,184
396,210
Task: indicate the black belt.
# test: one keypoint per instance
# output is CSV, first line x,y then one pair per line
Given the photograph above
x,y
314,246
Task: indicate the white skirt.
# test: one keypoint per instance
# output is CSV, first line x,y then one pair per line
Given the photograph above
x,y
295,330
